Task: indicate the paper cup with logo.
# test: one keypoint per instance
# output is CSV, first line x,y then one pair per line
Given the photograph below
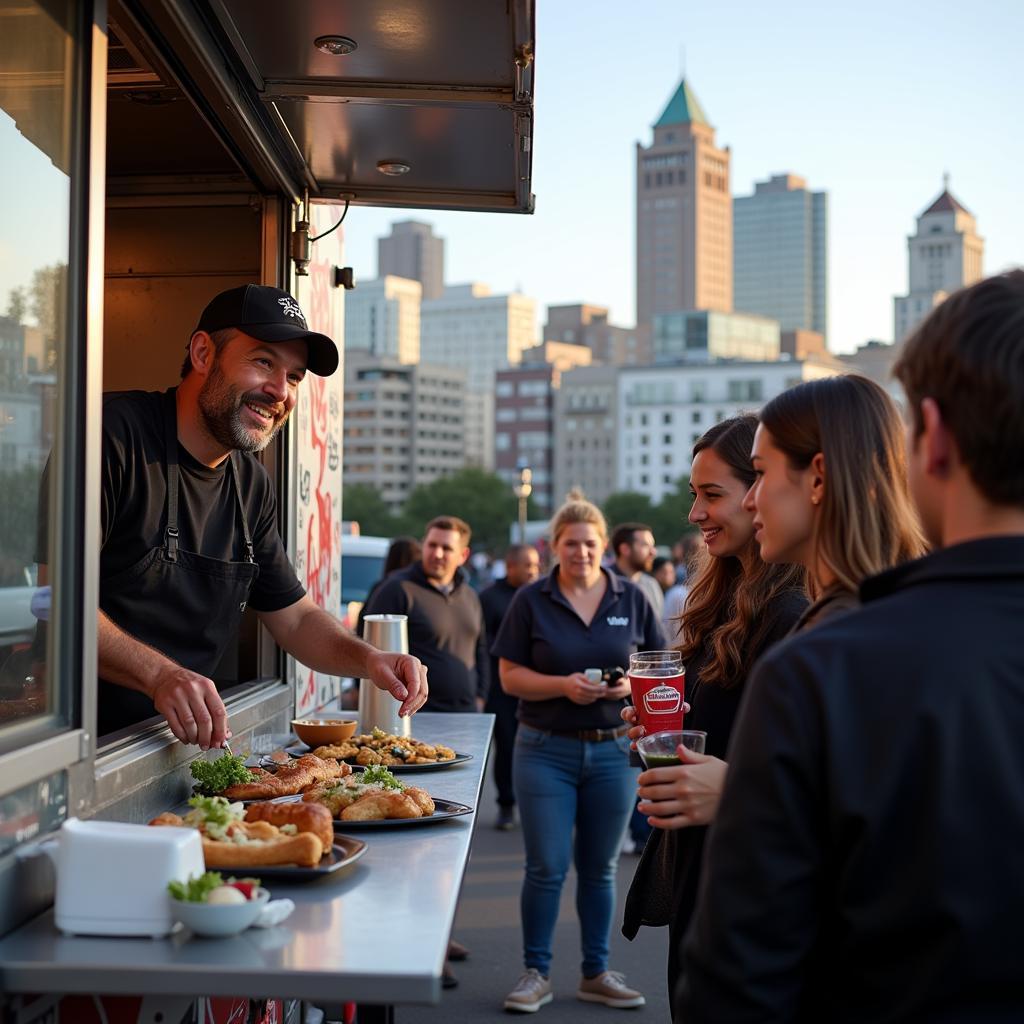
x,y
657,680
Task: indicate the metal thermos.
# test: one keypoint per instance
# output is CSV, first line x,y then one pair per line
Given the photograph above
x,y
377,708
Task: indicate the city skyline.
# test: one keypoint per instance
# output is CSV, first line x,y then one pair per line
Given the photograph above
x,y
873,109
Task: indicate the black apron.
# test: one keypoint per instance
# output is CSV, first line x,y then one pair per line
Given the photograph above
x,y
186,605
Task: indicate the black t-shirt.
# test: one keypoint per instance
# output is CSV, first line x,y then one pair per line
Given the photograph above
x,y
133,503
543,632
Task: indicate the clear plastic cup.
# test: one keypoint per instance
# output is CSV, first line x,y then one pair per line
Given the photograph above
x,y
660,749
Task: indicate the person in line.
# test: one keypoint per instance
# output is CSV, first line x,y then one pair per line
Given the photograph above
x,y
522,566
738,607
831,490
664,573
570,769
189,535
684,554
864,864
402,552
446,625
632,548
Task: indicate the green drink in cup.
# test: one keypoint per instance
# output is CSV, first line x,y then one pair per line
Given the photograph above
x,y
659,749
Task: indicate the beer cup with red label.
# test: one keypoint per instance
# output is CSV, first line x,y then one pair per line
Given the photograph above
x,y
657,680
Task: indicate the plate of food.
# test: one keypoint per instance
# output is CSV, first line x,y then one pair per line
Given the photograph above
x,y
293,839
375,798
399,753
229,777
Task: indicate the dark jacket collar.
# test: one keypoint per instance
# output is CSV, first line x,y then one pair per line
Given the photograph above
x,y
614,580
416,574
988,558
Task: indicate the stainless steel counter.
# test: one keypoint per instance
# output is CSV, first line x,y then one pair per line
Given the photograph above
x,y
378,935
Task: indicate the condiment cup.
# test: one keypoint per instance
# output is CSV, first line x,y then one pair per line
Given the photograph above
x,y
217,920
318,733
659,748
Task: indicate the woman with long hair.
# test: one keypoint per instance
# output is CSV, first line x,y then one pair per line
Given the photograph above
x,y
570,765
831,491
737,607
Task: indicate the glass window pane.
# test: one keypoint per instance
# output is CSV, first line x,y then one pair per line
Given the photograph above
x,y
36,53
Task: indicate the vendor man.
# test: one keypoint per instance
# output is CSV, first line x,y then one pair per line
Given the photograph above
x,y
189,531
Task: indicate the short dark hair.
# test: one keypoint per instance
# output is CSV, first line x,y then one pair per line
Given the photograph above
x,y
624,534
968,356
402,552
659,562
219,338
460,526
516,551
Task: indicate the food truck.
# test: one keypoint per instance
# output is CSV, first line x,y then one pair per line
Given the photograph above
x,y
152,154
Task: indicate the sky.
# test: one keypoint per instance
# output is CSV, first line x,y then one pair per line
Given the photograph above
x,y
871,102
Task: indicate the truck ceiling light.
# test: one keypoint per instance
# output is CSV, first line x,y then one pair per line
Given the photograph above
x,y
336,46
393,168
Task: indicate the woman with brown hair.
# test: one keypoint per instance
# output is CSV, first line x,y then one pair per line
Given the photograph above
x,y
831,488
736,608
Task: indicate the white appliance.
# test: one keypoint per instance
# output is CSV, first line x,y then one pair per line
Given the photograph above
x,y
112,877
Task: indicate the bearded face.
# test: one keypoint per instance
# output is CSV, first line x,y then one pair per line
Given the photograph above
x,y
241,420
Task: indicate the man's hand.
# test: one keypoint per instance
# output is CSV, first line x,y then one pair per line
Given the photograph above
x,y
192,707
402,675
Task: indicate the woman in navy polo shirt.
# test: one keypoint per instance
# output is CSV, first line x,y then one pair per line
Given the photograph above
x,y
571,762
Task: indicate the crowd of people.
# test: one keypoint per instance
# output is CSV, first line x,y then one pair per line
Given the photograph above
x,y
845,847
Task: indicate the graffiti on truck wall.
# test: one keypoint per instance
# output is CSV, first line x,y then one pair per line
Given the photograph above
x,y
319,427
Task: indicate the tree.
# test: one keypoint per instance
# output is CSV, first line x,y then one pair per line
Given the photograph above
x,y
629,507
667,519
364,505
17,305
482,499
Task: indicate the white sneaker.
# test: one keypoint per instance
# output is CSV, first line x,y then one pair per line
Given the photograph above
x,y
532,991
611,989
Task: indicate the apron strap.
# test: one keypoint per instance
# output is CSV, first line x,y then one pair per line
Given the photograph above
x,y
171,454
171,446
249,550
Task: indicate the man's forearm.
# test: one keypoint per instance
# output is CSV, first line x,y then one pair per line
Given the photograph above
x,y
320,642
126,661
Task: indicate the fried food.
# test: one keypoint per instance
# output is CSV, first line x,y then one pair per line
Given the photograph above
x,y
289,779
422,798
258,844
383,805
306,817
386,749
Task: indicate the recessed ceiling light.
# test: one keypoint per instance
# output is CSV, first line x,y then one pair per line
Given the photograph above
x,y
336,46
394,168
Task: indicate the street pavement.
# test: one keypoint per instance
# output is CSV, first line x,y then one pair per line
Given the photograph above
x,y
488,924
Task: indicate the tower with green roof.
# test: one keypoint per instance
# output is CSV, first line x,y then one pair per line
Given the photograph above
x,y
683,213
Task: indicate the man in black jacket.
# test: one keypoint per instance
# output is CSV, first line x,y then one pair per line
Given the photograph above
x,y
865,864
522,566
446,626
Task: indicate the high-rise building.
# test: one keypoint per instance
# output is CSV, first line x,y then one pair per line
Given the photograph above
x,y
586,324
383,317
663,411
702,335
780,253
404,425
412,250
683,214
944,255
586,438
479,333
524,399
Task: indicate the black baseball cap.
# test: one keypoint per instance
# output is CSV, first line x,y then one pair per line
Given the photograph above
x,y
269,314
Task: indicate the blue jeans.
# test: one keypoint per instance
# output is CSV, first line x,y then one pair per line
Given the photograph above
x,y
564,785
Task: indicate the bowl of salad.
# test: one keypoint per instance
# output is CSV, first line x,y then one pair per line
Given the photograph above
x,y
210,906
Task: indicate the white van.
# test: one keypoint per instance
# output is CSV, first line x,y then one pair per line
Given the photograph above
x,y
362,564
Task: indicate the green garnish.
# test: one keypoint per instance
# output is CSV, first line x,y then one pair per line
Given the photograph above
x,y
195,890
378,775
215,813
378,733
216,776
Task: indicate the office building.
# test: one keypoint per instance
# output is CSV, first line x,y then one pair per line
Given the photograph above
x,y
524,408
945,254
663,411
780,253
699,336
383,318
478,333
801,344
684,246
413,251
404,425
586,433
587,324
